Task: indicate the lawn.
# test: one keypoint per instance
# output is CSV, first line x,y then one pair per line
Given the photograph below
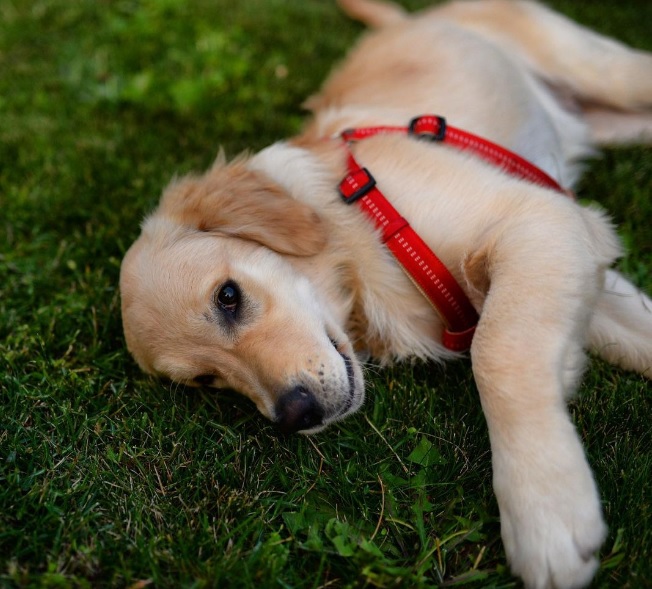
x,y
108,478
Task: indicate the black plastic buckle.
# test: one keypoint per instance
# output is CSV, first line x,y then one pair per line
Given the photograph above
x,y
360,192
347,134
440,135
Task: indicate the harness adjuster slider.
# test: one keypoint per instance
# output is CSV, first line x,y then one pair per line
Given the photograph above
x,y
424,127
356,184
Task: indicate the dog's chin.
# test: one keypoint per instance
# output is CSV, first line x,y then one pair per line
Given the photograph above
x,y
313,430
329,421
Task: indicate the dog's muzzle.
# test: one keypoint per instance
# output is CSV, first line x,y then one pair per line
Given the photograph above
x,y
297,411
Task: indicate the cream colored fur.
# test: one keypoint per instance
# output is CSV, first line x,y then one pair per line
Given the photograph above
x,y
317,284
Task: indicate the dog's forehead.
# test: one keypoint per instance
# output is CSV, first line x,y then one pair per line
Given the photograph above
x,y
178,272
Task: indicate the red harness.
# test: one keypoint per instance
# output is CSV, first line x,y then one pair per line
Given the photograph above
x,y
423,267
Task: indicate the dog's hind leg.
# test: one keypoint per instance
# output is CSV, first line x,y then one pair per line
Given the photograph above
x,y
526,354
621,326
594,68
617,127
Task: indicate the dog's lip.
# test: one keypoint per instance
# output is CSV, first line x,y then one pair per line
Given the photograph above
x,y
348,363
350,373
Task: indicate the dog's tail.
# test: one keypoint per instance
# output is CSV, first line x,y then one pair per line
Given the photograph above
x,y
373,13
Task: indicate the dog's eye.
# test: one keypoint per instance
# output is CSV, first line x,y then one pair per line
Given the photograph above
x,y
227,297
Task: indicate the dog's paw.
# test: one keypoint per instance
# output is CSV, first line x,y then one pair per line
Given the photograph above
x,y
553,550
551,522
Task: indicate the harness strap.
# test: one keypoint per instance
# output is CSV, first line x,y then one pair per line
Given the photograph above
x,y
435,128
422,266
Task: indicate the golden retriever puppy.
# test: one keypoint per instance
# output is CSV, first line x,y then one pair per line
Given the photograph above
x,y
257,276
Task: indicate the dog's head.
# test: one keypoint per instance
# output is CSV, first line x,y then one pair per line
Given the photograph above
x,y
212,295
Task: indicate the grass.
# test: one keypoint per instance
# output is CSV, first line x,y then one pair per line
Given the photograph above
x,y
108,478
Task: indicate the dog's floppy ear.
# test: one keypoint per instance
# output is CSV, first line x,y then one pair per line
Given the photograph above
x,y
234,200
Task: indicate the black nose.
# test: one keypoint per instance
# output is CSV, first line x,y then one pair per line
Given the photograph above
x,y
298,410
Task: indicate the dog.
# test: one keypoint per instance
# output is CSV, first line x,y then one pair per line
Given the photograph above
x,y
256,276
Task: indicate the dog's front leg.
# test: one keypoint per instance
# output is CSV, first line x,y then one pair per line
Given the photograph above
x,y
527,354
550,511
